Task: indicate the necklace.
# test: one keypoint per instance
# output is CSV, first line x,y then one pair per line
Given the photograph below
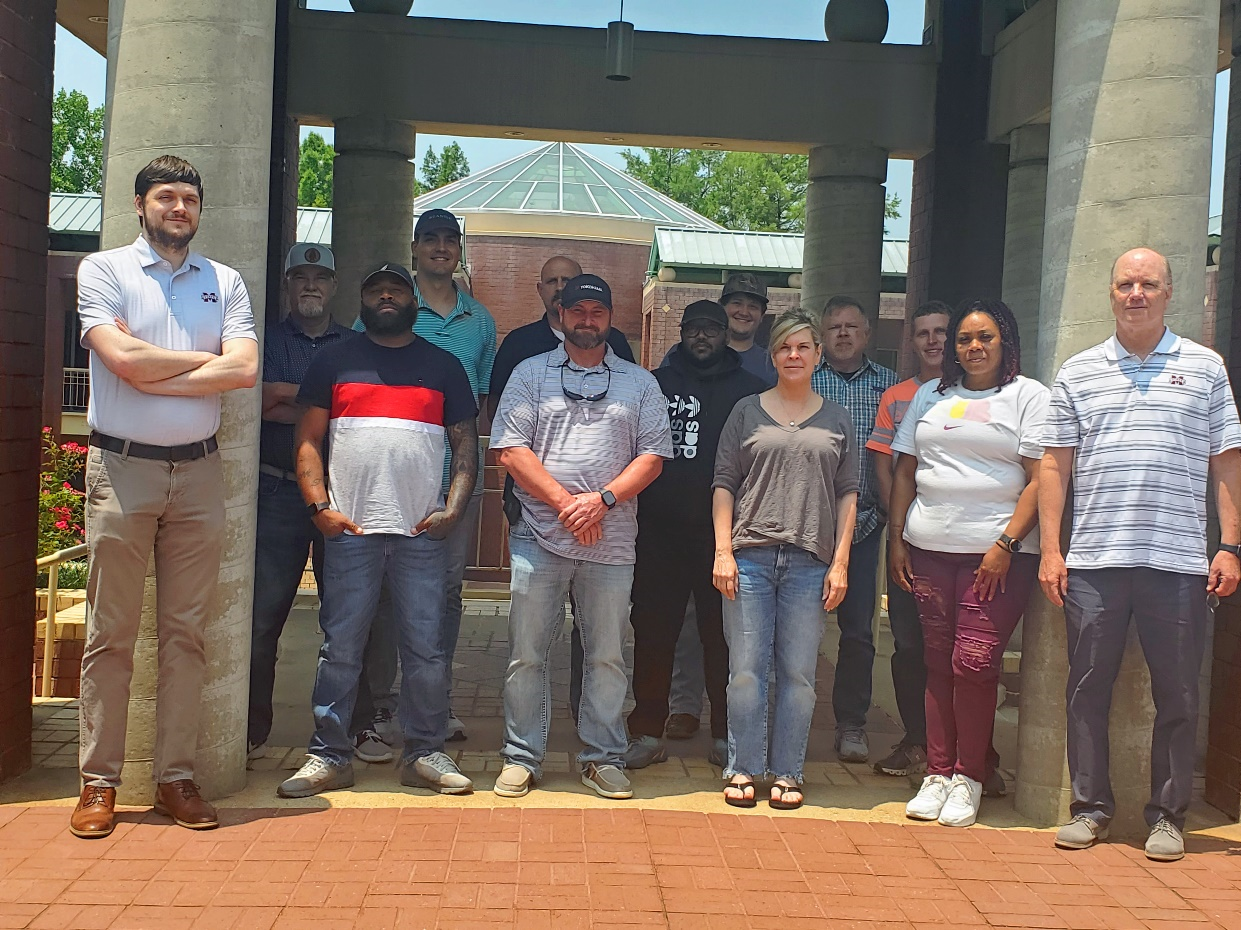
x,y
785,410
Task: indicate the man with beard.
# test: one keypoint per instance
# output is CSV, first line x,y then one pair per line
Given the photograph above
x,y
168,331
284,532
676,537
848,377
543,335
745,301
386,402
582,433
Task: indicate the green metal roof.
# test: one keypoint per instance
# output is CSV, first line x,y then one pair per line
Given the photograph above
x,y
560,178
751,251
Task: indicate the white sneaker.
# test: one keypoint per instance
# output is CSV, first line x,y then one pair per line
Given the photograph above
x,y
961,808
929,800
438,772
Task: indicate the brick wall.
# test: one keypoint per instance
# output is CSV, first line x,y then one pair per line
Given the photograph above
x,y
505,269
27,35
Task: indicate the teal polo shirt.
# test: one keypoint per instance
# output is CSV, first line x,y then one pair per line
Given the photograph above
x,y
469,333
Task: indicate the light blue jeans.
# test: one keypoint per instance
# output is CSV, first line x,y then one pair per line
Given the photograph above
x,y
778,609
354,567
600,594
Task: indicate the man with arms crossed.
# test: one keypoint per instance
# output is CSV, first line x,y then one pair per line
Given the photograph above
x,y
389,402
582,433
169,331
1141,423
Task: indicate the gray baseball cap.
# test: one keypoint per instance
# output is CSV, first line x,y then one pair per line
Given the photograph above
x,y
744,282
310,253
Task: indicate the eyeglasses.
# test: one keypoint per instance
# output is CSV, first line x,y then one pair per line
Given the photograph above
x,y
695,330
587,398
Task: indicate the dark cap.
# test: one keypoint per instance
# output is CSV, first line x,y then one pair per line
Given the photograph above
x,y
705,310
434,220
394,269
586,287
744,282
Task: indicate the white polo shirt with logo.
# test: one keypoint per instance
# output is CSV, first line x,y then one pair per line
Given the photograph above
x,y
1144,432
198,307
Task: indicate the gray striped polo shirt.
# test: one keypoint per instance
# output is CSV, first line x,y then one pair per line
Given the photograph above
x,y
583,445
1144,432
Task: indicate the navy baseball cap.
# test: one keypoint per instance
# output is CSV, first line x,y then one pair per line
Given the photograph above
x,y
391,268
435,220
586,287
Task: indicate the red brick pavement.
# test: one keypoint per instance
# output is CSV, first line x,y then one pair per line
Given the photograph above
x,y
407,869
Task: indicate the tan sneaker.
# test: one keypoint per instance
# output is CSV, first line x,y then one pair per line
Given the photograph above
x,y
515,781
609,781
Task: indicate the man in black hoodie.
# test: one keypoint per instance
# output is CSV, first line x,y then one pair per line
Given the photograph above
x,y
676,542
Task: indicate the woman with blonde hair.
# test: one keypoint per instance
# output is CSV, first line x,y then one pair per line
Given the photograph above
x,y
784,505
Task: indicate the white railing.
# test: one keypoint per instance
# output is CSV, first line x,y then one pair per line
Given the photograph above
x,y
52,564
76,393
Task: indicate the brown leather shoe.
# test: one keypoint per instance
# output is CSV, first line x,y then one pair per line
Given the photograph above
x,y
181,801
93,817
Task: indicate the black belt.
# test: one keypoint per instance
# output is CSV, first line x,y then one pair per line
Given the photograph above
x,y
188,452
265,469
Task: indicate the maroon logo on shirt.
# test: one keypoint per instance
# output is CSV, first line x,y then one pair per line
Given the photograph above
x,y
1178,380
210,297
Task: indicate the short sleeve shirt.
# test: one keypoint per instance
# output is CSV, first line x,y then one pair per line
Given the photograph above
x,y
892,406
197,307
583,444
1144,432
534,339
389,410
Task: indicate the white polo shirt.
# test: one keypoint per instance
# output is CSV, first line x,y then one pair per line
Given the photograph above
x,y
1144,432
197,307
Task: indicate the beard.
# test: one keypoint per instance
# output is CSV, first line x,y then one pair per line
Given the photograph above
x,y
401,322
311,308
172,239
712,358
587,338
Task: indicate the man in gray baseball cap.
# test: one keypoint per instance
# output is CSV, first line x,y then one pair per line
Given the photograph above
x,y
285,532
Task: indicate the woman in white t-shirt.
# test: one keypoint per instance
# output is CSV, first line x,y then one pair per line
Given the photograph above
x,y
963,539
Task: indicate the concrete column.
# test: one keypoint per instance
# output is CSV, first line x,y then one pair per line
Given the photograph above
x,y
1023,234
372,202
1113,185
843,252
210,103
1228,295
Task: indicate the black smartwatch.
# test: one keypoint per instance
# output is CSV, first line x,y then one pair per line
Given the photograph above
x,y
318,507
1007,542
609,499
1228,547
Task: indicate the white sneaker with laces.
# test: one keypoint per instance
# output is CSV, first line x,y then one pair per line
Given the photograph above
x,y
438,772
929,800
961,808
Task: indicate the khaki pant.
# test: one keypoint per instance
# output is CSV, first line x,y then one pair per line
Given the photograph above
x,y
134,505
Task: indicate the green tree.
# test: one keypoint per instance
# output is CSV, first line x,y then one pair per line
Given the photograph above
x,y
739,190
442,169
314,172
77,144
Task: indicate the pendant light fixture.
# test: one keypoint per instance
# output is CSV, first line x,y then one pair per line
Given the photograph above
x,y
620,48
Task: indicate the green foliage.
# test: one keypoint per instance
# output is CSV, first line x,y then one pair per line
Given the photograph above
x,y
442,169
77,144
314,172
739,190
61,504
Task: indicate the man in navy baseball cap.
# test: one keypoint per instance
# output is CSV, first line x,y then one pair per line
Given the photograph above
x,y
434,221
586,287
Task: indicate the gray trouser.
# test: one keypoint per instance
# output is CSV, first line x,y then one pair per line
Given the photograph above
x,y
1170,610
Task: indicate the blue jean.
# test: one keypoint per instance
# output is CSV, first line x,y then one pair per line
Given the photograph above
x,y
353,569
856,615
284,533
778,610
600,595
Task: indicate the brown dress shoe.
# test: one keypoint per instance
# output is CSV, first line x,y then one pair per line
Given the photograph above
x,y
181,801
93,817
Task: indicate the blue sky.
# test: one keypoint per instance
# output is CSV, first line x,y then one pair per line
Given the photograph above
x,y
78,67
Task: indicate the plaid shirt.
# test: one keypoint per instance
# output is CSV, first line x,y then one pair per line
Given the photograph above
x,y
859,392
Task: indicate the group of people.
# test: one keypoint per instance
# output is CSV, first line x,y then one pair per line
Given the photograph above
x,y
744,488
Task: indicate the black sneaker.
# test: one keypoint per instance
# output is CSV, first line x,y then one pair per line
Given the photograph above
x,y
902,760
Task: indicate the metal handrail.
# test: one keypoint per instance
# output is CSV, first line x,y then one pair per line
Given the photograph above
x,y
52,563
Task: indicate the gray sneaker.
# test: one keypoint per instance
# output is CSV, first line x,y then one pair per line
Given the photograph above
x,y
609,781
1165,844
515,781
437,772
456,729
370,747
1081,832
851,745
314,776
644,751
719,752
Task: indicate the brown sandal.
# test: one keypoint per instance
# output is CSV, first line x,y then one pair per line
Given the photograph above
x,y
742,801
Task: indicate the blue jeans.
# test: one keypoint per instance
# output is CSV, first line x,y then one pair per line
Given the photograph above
x,y
778,610
354,567
600,594
856,616
283,535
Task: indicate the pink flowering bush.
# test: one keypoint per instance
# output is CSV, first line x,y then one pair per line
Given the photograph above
x,y
61,504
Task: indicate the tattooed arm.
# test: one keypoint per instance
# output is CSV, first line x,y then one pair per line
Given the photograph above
x,y
463,473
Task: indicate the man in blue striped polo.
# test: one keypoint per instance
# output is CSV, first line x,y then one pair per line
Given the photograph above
x,y
1141,422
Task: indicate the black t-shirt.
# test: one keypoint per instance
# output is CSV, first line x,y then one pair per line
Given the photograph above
x,y
534,339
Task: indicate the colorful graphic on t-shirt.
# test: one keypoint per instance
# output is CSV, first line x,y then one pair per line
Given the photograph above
x,y
976,411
